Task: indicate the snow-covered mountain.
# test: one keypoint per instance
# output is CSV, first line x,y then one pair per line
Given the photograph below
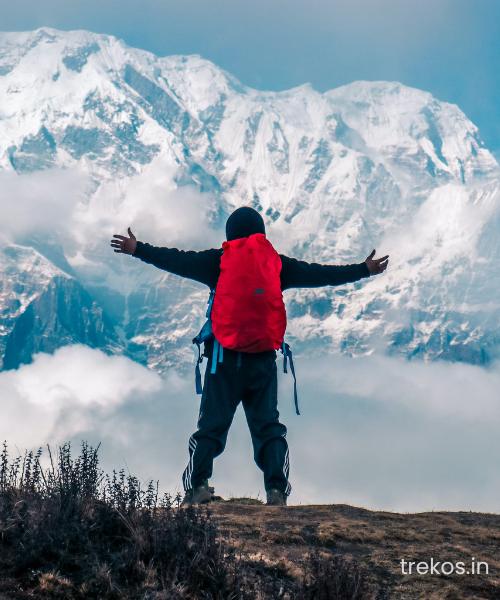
x,y
170,145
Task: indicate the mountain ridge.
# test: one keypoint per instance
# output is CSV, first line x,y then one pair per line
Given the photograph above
x,y
334,173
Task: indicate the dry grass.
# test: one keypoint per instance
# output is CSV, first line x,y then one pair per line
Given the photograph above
x,y
375,541
73,532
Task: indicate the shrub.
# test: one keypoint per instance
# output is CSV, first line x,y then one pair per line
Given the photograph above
x,y
71,531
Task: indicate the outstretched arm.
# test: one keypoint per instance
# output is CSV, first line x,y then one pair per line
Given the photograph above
x,y
201,266
298,273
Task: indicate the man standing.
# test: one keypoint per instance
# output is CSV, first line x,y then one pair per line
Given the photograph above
x,y
249,377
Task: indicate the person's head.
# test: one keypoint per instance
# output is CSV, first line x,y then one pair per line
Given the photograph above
x,y
244,221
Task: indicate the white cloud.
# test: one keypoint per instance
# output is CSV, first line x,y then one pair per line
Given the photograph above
x,y
65,206
41,202
156,210
384,432
58,395
375,431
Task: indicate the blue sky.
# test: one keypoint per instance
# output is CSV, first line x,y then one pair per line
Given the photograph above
x,y
448,47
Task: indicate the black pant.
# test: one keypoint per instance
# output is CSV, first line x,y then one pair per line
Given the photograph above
x,y
252,379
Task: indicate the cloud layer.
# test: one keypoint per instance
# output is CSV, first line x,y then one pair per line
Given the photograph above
x,y
60,203
375,431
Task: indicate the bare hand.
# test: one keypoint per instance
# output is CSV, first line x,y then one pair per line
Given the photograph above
x,y
377,265
126,245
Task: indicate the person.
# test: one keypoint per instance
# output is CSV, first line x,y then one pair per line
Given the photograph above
x,y
249,377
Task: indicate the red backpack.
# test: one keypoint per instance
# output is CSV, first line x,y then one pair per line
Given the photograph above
x,y
246,312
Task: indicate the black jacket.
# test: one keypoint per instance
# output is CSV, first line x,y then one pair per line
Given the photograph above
x,y
204,266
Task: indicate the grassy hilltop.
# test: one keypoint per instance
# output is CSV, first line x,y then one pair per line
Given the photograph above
x,y
73,532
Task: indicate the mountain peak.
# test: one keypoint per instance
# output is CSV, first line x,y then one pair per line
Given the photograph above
x,y
334,174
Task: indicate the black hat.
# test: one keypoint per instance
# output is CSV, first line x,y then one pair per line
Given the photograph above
x,y
244,221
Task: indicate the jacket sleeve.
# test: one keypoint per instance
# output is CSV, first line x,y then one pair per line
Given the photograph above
x,y
298,273
202,266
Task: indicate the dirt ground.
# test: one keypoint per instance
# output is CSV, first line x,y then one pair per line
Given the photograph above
x,y
378,541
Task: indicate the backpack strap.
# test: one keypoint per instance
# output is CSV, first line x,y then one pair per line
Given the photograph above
x,y
287,354
215,355
210,302
197,372
204,335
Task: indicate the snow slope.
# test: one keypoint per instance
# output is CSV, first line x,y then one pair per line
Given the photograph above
x,y
172,144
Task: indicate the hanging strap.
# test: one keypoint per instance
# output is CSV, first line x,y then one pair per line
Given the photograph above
x,y
215,354
203,336
287,354
210,302
197,372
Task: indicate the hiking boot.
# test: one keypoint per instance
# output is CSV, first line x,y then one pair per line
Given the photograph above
x,y
200,494
275,498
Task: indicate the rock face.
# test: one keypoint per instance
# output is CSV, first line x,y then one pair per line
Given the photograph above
x,y
372,164
63,313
